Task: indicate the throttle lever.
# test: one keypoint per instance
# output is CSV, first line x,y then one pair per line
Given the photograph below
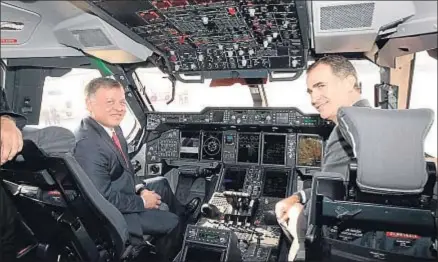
x,y
210,211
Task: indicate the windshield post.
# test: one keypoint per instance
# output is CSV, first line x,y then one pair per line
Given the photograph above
x,y
385,94
173,81
256,96
402,76
258,92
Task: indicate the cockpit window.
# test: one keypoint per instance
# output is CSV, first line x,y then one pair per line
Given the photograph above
x,y
63,98
424,94
63,102
191,97
195,97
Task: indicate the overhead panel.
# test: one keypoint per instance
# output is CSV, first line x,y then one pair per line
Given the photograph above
x,y
220,38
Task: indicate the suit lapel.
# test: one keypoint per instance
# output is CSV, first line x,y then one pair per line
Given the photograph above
x,y
108,140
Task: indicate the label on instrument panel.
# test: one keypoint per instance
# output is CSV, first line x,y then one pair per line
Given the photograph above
x,y
403,240
350,234
401,235
404,243
8,41
347,235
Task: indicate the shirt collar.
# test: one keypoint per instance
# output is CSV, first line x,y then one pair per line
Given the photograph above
x,y
108,130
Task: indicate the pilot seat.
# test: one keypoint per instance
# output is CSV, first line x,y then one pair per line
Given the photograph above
x,y
386,206
62,215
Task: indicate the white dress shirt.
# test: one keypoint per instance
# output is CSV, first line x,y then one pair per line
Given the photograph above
x,y
108,130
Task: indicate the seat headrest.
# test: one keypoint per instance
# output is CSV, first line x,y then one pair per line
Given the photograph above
x,y
388,146
52,140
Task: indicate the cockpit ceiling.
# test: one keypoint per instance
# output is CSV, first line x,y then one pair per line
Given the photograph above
x,y
61,29
72,28
33,34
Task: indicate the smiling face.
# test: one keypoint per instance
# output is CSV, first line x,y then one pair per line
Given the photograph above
x,y
107,105
329,92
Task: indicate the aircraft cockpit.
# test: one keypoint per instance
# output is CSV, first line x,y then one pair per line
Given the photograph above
x,y
259,156
240,150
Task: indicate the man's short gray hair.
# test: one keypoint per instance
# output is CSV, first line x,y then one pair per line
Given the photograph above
x,y
340,66
100,82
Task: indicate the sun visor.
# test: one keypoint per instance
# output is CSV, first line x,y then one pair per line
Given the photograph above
x,y
17,25
95,37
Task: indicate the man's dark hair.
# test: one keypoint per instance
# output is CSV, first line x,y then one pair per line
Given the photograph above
x,y
100,82
340,66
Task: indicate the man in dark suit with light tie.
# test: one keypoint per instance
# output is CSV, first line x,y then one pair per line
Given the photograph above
x,y
102,151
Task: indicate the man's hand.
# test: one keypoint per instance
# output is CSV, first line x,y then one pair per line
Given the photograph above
x,y
152,199
11,139
282,208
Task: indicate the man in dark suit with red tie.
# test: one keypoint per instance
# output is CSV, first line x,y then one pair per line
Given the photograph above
x,y
102,151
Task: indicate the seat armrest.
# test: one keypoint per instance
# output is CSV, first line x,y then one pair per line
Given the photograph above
x,y
328,184
377,217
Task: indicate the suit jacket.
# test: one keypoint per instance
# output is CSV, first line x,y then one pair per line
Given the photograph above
x,y
100,158
6,110
338,152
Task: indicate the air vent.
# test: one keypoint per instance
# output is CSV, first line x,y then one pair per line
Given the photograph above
x,y
347,16
91,38
11,26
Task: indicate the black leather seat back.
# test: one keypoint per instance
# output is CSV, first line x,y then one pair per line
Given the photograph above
x,y
105,214
57,171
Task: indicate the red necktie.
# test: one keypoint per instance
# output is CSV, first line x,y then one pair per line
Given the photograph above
x,y
119,146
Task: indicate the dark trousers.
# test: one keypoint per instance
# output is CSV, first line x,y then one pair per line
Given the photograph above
x,y
173,221
7,226
161,186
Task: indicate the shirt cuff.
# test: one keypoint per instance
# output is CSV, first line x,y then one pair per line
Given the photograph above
x,y
20,121
303,196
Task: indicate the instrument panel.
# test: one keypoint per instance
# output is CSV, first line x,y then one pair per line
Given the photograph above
x,y
219,35
280,117
233,147
256,182
238,136
261,152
